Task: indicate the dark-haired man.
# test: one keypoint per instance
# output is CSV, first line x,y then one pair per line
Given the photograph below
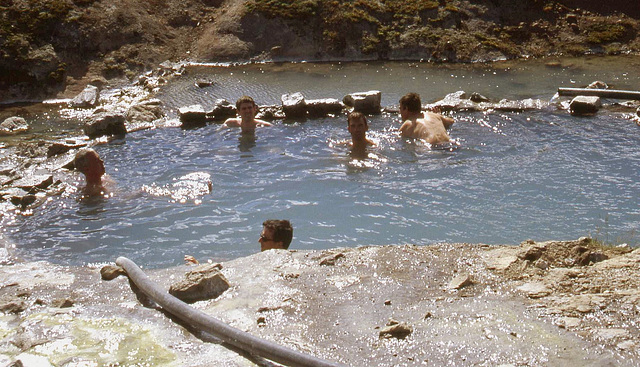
x,y
89,163
429,126
276,234
247,110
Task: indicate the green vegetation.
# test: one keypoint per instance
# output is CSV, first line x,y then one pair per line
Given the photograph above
x,y
606,33
295,9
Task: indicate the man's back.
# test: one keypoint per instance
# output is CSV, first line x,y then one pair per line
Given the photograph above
x,y
431,128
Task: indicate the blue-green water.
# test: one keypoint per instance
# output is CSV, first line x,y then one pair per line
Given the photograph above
x,y
540,175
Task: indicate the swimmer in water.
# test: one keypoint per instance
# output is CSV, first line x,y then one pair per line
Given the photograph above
x,y
276,234
89,163
358,127
429,126
247,110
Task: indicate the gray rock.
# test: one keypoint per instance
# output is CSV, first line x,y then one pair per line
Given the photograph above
x,y
192,116
585,105
105,124
294,105
147,111
87,98
222,110
324,107
13,125
204,282
365,102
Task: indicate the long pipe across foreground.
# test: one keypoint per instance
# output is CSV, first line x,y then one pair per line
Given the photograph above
x,y
204,322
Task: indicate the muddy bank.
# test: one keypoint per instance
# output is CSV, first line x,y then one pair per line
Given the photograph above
x,y
553,303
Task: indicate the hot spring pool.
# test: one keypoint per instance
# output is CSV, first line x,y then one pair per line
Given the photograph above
x,y
540,175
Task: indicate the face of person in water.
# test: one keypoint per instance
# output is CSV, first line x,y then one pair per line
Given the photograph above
x,y
266,240
358,128
247,111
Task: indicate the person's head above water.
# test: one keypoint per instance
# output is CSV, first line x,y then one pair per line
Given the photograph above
x,y
89,163
276,234
410,103
358,127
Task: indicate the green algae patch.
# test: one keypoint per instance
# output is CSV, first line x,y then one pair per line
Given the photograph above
x,y
110,341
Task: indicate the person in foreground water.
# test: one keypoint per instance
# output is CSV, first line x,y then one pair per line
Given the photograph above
x,y
247,110
89,163
429,126
276,234
358,127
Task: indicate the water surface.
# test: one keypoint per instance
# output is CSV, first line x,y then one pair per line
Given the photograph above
x,y
514,176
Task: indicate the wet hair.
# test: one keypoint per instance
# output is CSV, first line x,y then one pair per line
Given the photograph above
x,y
357,116
282,231
244,99
82,160
412,102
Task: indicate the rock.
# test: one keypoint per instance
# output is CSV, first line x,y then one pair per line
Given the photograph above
x,y
324,107
203,83
61,147
202,283
147,111
519,106
585,105
294,105
535,290
365,102
394,329
87,98
109,272
569,322
270,113
541,264
222,110
460,281
590,257
331,259
63,303
105,124
532,253
598,85
13,125
192,116
15,306
477,97
34,183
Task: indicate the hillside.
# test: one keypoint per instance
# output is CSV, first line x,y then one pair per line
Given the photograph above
x,y
54,47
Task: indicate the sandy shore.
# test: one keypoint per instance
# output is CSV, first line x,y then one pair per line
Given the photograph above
x,y
572,303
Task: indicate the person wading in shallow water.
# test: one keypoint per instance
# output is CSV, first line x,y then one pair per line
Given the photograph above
x,y
358,127
276,234
88,162
429,126
247,121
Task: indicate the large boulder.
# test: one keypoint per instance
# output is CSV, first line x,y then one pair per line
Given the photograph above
x,y
294,105
105,124
585,105
365,102
87,98
147,111
202,283
13,125
222,110
324,107
192,116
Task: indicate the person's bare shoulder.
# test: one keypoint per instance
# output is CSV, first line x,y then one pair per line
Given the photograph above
x,y
232,122
446,120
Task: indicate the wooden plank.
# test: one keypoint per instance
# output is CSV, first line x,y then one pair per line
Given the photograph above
x,y
604,93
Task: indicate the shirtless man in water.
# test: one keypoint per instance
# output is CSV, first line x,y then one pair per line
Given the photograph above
x,y
358,127
429,126
247,121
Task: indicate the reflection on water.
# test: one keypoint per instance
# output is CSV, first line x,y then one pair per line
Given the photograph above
x,y
506,178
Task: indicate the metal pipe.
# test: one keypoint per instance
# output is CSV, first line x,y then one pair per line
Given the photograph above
x,y
605,93
204,322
